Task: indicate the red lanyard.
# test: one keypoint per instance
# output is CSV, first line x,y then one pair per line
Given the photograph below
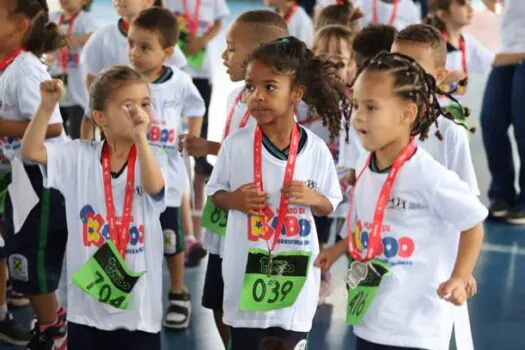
x,y
119,231
288,176
9,59
374,238
463,48
290,13
393,14
192,22
64,53
244,119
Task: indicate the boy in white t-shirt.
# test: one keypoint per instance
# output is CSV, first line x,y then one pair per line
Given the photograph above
x,y
401,245
152,38
115,191
108,46
299,23
397,13
77,24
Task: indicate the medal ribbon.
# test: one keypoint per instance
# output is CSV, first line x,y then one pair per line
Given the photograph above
x,y
119,231
393,14
463,48
64,52
9,59
192,21
288,176
244,119
290,13
374,239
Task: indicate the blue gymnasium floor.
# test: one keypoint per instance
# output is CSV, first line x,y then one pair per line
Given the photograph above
x,y
497,312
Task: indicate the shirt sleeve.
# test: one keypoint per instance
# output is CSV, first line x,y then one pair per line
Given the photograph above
x,y
193,104
91,57
221,9
221,175
159,201
454,202
482,58
90,25
28,92
177,59
60,171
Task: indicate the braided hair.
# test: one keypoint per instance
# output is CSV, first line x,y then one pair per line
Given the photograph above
x,y
412,83
324,95
43,36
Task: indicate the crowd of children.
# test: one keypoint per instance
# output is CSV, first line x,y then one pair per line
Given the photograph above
x,y
358,109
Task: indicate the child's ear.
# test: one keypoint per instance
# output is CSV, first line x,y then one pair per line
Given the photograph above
x,y
169,52
297,93
99,118
440,76
410,114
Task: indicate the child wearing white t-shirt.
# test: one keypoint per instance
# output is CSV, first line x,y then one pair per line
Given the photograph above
x,y
35,220
108,46
397,13
403,207
77,24
272,178
152,38
299,23
115,192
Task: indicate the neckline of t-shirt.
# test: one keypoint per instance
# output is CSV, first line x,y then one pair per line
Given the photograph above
x,y
385,172
166,75
122,174
270,157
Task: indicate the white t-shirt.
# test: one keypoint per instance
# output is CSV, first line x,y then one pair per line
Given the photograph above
x,y
513,26
453,152
324,3
350,152
20,98
479,60
77,94
212,242
108,46
174,99
300,25
233,169
75,170
407,13
210,11
425,200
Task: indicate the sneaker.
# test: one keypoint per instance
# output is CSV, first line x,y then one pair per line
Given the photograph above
x,y
16,299
326,288
499,209
179,309
516,216
12,333
195,252
53,338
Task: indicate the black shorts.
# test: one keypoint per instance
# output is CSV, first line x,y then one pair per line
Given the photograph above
x,y
256,338
173,236
213,293
362,344
36,252
82,337
323,225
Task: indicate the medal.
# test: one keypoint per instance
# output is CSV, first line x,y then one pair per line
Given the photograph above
x,y
356,273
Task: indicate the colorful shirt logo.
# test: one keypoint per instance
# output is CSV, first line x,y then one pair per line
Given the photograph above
x,y
296,229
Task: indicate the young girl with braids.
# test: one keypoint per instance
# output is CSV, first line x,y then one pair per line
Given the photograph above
x,y
402,207
272,178
35,215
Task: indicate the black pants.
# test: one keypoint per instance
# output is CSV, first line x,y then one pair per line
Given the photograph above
x,y
255,338
82,337
366,345
72,117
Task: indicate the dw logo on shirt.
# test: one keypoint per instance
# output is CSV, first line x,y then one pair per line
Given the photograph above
x,y
401,248
95,231
294,229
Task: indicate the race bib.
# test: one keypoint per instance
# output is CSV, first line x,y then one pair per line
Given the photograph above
x,y
214,219
106,278
3,189
363,294
273,283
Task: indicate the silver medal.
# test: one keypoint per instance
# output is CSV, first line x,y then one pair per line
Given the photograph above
x,y
356,274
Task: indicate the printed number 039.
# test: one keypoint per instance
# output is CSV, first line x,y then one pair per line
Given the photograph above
x,y
273,290
104,293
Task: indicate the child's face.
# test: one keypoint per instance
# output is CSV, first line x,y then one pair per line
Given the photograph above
x,y
115,120
459,14
131,8
145,52
237,48
379,115
72,6
270,96
423,55
11,29
338,51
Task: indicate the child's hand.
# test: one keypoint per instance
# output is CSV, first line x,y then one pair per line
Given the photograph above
x,y
472,287
299,193
249,200
51,92
327,257
195,146
140,120
454,290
